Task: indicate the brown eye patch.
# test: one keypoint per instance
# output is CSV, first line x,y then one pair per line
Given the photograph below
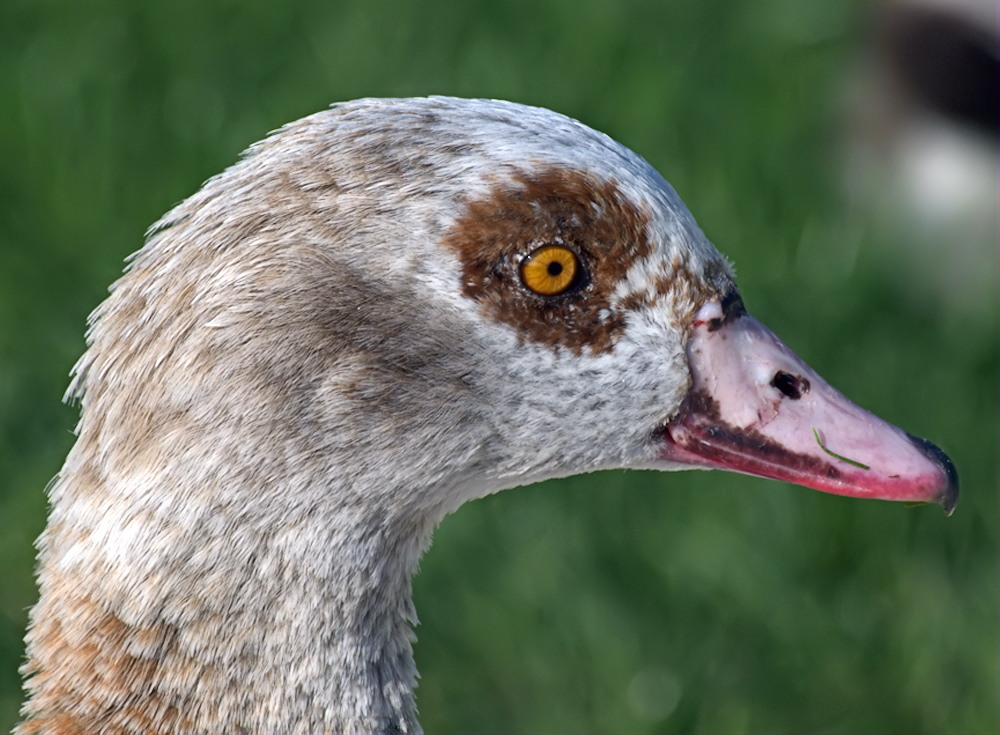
x,y
556,206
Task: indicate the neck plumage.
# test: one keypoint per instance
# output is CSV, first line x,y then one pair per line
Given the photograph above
x,y
229,622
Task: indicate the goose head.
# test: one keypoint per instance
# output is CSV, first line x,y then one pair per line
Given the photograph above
x,y
381,312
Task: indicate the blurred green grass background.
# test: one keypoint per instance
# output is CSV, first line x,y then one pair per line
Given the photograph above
x,y
611,602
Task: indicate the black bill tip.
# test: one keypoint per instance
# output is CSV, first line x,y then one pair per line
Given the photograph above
x,y
949,494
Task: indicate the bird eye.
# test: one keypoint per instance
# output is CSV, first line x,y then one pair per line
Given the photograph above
x,y
551,270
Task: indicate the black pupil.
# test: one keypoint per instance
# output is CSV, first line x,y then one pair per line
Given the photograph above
x,y
790,385
554,268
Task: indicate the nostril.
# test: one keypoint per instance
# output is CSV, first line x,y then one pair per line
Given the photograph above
x,y
790,385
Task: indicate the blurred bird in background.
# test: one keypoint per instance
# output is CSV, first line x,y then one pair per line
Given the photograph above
x,y
922,154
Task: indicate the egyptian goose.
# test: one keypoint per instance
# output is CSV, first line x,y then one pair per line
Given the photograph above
x,y
382,311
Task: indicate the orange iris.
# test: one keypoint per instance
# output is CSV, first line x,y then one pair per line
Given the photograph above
x,y
550,270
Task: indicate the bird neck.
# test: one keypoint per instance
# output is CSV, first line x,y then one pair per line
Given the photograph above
x,y
294,623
